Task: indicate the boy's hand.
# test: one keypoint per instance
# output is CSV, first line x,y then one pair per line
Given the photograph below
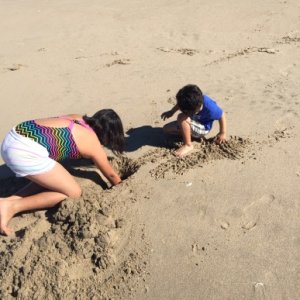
x,y
220,138
167,114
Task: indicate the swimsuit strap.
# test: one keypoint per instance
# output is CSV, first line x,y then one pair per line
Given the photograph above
x,y
71,124
79,122
84,124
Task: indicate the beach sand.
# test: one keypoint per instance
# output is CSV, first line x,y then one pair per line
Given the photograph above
x,y
222,223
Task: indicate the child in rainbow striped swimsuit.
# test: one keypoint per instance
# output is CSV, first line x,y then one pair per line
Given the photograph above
x,y
34,149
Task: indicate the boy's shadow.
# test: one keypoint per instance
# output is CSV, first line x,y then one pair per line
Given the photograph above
x,y
142,136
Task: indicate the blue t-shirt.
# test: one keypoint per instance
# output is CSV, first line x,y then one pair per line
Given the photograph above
x,y
209,113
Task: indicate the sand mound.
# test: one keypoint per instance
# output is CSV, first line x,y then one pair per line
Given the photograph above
x,y
75,251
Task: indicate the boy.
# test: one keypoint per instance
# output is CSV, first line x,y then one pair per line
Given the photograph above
x,y
198,112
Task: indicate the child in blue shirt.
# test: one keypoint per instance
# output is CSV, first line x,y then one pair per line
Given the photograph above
x,y
198,112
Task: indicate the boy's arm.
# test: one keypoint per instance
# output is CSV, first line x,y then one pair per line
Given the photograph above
x,y
221,136
169,113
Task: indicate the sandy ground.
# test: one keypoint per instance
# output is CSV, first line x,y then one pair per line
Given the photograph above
x,y
222,223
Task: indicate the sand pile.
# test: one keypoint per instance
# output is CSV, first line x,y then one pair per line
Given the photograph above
x,y
204,151
75,251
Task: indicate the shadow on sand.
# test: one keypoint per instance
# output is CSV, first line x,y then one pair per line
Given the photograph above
x,y
142,136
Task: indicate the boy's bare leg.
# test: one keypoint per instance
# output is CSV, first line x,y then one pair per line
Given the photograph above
x,y
59,184
185,129
182,128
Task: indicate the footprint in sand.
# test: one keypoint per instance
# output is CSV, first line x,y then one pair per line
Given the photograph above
x,y
254,212
203,211
123,61
183,51
259,291
224,224
15,67
269,288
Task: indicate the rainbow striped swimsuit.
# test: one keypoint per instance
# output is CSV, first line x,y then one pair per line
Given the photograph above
x,y
58,141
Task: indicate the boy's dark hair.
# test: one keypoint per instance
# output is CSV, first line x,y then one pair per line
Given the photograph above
x,y
189,98
109,129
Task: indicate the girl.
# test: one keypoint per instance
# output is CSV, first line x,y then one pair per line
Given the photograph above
x,y
34,148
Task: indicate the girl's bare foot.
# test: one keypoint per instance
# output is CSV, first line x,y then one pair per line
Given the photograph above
x,y
6,213
184,150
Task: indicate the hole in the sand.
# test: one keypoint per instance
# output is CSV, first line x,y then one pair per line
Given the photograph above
x,y
125,166
20,233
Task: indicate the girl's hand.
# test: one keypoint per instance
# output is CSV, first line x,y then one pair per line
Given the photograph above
x,y
167,114
220,138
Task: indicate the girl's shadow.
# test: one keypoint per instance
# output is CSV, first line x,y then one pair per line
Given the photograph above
x,y
5,172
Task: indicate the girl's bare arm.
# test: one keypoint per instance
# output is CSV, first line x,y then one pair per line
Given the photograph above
x,y
93,150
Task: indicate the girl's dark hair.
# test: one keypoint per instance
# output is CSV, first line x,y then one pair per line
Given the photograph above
x,y
108,126
189,98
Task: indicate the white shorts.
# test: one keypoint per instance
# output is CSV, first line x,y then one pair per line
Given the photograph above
x,y
25,156
197,129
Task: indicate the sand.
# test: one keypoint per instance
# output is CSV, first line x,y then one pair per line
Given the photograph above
x,y
222,223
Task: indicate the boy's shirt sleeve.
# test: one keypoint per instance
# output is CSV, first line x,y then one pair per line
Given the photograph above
x,y
214,110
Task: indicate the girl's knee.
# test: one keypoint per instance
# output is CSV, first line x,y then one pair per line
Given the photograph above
x,y
75,193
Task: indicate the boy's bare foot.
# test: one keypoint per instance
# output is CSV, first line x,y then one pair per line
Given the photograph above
x,y
6,213
184,150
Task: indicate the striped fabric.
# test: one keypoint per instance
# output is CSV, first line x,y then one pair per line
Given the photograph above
x,y
58,141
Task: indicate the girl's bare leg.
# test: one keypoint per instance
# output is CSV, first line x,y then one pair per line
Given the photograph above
x,y
59,184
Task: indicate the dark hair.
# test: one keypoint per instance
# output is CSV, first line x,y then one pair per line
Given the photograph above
x,y
108,126
189,98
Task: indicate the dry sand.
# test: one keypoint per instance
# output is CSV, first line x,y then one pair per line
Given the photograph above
x,y
223,223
